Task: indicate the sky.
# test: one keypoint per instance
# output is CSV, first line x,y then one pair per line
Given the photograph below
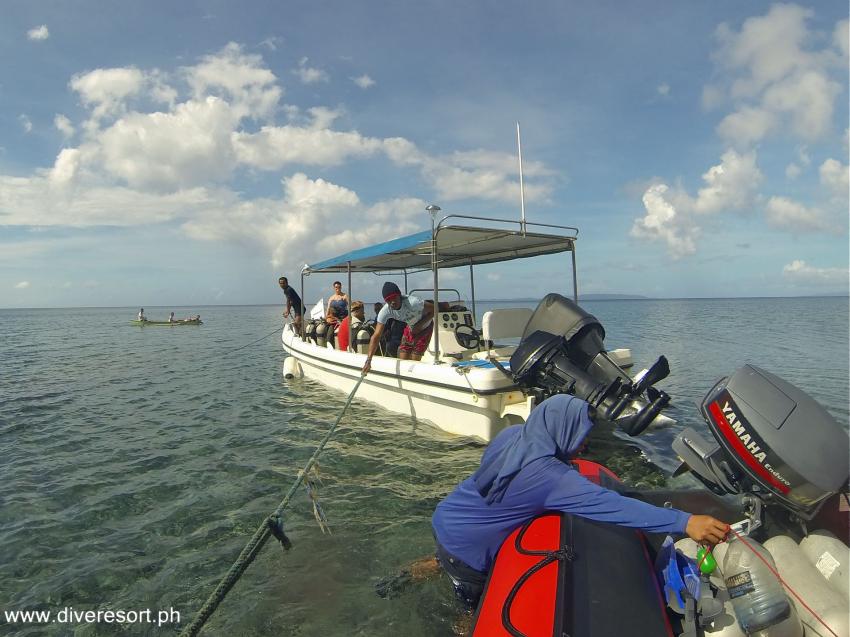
x,y
189,153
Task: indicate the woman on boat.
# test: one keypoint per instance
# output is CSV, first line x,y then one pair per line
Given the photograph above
x,y
525,471
338,302
142,314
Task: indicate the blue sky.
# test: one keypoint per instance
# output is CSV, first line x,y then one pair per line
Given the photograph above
x,y
189,153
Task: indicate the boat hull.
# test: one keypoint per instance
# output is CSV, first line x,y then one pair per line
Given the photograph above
x,y
478,401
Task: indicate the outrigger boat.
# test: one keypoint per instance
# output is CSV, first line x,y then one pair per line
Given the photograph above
x,y
471,380
168,323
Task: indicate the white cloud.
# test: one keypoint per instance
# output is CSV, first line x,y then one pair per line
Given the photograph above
x,y
663,89
787,214
66,167
274,146
835,177
25,123
105,91
775,78
136,165
249,87
663,222
272,43
187,147
767,47
474,174
64,126
39,33
307,221
310,75
672,215
792,171
799,273
731,185
808,99
363,81
22,285
36,201
746,126
840,37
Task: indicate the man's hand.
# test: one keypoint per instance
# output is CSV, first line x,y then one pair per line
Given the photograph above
x,y
286,314
367,366
704,528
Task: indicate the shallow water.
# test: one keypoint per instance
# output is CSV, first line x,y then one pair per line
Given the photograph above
x,y
138,461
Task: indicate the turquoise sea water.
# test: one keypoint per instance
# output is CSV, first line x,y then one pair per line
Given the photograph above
x,y
137,462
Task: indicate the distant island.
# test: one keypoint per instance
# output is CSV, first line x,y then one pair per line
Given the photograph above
x,y
581,297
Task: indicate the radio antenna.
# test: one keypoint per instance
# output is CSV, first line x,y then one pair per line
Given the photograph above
x,y
521,186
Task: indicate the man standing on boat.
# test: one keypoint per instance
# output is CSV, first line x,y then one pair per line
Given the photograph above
x,y
418,316
293,303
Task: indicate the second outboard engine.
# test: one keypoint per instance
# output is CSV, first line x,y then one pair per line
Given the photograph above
x,y
772,444
363,337
562,351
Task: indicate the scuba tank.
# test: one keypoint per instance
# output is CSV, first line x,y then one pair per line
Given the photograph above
x,y
362,337
808,581
310,331
831,557
322,334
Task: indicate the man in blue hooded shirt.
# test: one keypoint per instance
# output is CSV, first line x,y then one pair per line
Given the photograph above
x,y
524,472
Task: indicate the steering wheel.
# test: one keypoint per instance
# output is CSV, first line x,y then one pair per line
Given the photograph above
x,y
468,336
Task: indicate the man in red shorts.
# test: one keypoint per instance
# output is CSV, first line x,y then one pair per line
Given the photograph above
x,y
417,313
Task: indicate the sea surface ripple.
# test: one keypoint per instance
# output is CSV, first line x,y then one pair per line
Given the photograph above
x,y
138,461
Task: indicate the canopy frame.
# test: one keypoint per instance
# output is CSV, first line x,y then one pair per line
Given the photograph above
x,y
462,245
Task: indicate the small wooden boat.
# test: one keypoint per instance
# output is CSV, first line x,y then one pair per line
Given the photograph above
x,y
168,323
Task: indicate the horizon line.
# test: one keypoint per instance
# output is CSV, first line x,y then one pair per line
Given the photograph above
x,y
625,297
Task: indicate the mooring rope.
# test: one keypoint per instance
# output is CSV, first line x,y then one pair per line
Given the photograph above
x,y
272,525
236,349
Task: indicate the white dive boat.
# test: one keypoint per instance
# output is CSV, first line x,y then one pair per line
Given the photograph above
x,y
464,383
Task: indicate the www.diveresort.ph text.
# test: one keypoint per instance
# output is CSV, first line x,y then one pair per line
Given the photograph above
x,y
70,615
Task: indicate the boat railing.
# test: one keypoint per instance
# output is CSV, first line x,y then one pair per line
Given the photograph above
x,y
519,223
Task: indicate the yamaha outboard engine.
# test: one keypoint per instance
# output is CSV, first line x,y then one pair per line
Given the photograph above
x,y
772,443
562,351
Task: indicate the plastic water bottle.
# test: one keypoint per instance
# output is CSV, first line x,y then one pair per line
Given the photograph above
x,y
756,594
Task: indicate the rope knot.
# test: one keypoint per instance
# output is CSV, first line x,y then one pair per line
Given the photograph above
x,y
275,524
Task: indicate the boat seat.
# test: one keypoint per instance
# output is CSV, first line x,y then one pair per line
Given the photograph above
x,y
506,323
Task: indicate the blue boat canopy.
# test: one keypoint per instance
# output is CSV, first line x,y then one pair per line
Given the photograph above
x,y
456,246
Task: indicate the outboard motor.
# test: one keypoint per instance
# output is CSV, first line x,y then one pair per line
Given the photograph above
x,y
772,443
321,334
363,337
562,351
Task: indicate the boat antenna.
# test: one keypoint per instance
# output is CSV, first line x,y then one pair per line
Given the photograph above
x,y
521,186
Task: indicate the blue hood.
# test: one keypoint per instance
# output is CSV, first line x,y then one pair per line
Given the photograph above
x,y
556,427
